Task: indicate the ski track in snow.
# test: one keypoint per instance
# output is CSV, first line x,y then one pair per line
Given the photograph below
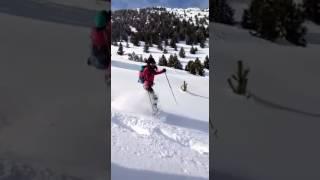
x,y
164,142
150,127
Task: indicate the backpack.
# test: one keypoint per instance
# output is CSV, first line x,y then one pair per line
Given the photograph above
x,y
141,78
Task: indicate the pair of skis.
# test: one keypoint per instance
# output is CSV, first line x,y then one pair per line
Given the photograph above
x,y
154,99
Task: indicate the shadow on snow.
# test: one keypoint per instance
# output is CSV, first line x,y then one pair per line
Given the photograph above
x,y
186,122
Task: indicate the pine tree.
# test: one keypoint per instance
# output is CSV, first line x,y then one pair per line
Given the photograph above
x,y
201,38
206,63
261,17
192,50
202,44
120,50
160,47
163,61
198,67
294,31
189,40
140,58
150,57
246,20
171,61
165,51
182,53
312,10
135,40
220,11
131,56
146,48
191,67
177,63
274,19
188,66
173,43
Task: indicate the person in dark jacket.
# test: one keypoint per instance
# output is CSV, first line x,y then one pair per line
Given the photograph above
x,y
100,40
149,72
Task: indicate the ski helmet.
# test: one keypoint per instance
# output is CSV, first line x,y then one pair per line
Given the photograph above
x,y
150,60
101,19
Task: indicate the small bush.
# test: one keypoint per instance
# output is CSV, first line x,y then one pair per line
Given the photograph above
x,y
184,86
238,82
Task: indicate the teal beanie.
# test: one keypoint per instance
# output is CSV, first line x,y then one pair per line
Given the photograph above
x,y
101,19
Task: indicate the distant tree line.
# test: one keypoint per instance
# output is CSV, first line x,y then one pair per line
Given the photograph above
x,y
271,19
156,26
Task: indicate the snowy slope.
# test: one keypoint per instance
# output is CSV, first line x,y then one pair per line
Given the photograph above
x,y
173,145
273,135
52,110
190,13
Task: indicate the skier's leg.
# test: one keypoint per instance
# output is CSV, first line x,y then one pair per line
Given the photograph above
x,y
155,103
150,92
108,74
153,94
155,97
154,100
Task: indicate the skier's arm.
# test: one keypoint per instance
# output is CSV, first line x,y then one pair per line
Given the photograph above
x,y
160,72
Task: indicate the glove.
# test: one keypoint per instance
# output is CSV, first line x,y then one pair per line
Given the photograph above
x,y
164,70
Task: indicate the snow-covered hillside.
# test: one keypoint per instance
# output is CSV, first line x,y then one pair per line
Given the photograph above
x,y
274,134
156,53
190,13
172,145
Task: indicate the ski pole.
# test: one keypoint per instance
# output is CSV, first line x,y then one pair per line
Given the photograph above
x,y
171,88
